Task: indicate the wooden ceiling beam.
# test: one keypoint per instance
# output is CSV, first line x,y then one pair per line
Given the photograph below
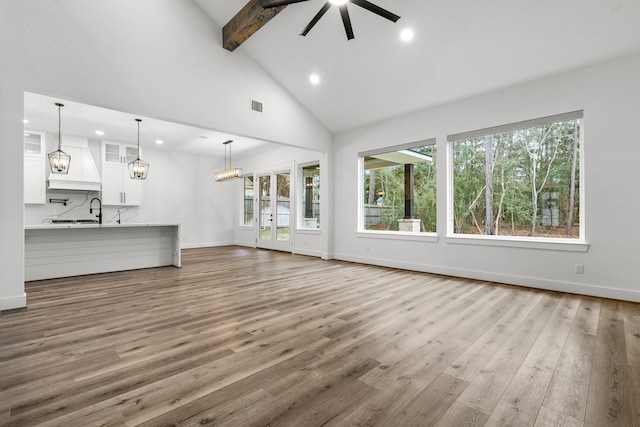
x,y
253,16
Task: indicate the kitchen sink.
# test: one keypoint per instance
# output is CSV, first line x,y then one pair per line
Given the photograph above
x,y
74,221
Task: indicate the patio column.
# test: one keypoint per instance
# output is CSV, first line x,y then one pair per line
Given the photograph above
x,y
408,191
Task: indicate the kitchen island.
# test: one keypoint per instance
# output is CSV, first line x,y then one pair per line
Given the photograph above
x,y
62,250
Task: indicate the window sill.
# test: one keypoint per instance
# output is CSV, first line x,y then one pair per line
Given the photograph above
x,y
520,242
245,227
397,235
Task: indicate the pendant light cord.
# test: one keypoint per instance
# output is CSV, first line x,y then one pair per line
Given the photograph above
x,y
228,142
59,126
138,120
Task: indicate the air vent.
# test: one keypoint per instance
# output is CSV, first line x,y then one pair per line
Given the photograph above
x,y
256,106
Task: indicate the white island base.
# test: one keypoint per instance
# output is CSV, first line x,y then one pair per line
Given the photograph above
x,y
53,251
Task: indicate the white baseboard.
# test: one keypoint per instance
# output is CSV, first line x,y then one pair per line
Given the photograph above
x,y
246,244
308,252
11,303
532,282
206,245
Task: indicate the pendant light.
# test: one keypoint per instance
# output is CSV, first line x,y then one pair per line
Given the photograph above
x,y
230,173
59,160
138,169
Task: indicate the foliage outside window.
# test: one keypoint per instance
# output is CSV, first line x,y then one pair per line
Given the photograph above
x,y
399,188
248,200
310,212
283,206
519,180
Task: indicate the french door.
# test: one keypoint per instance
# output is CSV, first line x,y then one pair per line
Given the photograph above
x,y
274,211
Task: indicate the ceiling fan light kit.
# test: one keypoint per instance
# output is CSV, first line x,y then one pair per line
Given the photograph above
x,y
256,13
344,13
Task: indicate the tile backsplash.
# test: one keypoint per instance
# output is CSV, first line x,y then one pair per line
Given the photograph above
x,y
77,207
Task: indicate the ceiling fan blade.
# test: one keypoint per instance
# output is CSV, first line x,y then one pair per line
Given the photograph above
x,y
376,9
267,4
346,21
316,18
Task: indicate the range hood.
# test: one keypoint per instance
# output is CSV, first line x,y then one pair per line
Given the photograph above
x,y
83,174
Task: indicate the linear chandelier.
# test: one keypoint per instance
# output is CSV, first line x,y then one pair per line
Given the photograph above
x,y
229,173
59,160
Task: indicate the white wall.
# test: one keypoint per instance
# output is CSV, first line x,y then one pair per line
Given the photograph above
x,y
11,176
160,59
609,94
304,241
180,189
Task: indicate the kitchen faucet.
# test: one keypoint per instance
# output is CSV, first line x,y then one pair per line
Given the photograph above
x,y
99,215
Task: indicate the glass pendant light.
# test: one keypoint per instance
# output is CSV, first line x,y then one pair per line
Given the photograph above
x,y
138,169
59,160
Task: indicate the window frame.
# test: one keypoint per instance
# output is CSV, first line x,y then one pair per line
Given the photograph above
x,y
299,196
563,244
243,212
428,236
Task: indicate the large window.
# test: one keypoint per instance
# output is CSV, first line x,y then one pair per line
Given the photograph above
x,y
521,179
399,188
310,209
248,200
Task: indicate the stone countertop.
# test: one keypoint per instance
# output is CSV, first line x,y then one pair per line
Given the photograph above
x,y
92,226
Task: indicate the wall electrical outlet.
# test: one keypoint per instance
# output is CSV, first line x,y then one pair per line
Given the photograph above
x,y
579,268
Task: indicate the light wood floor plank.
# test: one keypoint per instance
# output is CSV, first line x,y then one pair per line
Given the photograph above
x,y
245,337
540,363
486,389
609,402
462,416
478,354
567,394
432,402
632,342
550,418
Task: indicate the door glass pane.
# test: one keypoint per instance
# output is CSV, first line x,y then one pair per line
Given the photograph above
x,y
311,196
248,200
265,207
283,206
32,143
112,153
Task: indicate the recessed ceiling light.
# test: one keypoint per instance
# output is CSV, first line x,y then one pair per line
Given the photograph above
x,y
99,132
314,79
338,2
25,121
406,34
159,141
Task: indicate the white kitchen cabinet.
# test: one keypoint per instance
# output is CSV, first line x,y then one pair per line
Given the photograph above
x,y
35,179
117,188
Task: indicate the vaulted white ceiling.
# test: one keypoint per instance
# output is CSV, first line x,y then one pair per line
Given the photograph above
x,y
461,48
84,120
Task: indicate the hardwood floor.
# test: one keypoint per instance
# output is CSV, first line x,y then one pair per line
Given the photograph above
x,y
244,337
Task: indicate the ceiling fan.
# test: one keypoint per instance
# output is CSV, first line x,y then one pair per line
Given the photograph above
x,y
344,12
